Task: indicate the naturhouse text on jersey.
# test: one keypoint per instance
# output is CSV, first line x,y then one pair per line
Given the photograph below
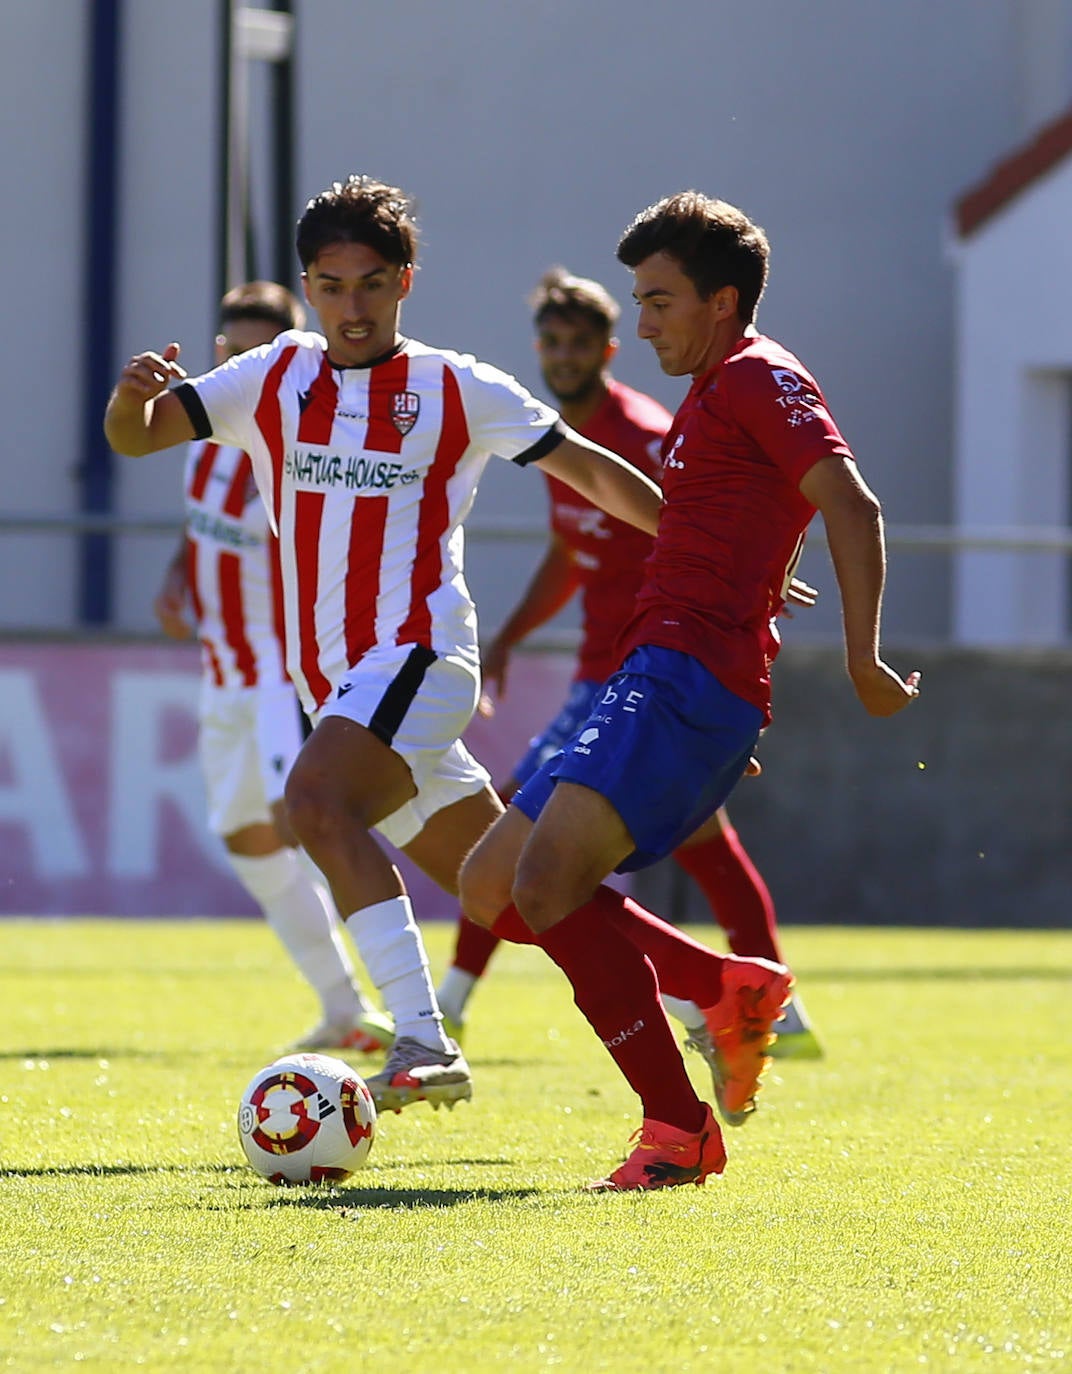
x,y
315,471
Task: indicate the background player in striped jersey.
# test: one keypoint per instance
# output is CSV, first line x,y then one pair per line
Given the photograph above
x,y
752,454
603,559
225,577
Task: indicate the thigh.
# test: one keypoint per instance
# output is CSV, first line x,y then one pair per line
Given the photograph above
x,y
450,834
343,767
578,839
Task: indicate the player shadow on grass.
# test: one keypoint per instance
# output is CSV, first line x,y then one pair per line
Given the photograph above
x,y
349,1201
112,1170
100,1052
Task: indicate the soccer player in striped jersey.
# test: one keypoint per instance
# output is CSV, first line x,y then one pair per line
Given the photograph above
x,y
752,454
225,577
603,559
367,448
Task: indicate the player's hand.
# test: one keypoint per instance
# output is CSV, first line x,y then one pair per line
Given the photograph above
x,y
146,375
170,604
798,594
493,670
883,691
753,768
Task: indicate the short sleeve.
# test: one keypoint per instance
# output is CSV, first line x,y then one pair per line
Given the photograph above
x,y
229,394
784,412
504,418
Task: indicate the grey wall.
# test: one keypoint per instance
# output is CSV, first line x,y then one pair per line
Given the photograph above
x,y
846,826
531,133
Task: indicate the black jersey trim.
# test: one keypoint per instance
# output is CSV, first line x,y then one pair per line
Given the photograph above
x,y
542,447
194,407
396,701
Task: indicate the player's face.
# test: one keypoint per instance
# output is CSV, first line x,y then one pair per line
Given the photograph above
x,y
358,296
687,333
573,354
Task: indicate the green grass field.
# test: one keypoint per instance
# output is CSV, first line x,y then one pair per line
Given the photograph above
x,y
901,1205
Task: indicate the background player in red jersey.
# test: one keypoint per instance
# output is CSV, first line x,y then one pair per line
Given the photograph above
x,y
224,578
367,448
752,454
603,559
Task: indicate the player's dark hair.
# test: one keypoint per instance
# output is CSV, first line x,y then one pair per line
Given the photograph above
x,y
359,210
265,301
560,293
714,243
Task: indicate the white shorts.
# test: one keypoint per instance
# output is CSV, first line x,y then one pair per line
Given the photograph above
x,y
418,704
249,738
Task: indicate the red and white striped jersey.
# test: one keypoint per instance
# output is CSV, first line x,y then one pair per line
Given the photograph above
x,y
368,474
232,570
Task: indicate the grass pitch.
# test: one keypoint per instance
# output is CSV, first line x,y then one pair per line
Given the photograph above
x,y
901,1205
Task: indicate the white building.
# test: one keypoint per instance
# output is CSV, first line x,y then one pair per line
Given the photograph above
x,y
1013,446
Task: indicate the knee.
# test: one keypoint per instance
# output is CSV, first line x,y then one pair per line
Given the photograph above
x,y
483,889
308,807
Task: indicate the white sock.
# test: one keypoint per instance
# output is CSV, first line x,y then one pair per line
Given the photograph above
x,y
391,947
453,992
301,914
688,1013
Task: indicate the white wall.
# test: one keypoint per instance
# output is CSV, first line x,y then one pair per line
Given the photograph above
x,y
1013,446
531,133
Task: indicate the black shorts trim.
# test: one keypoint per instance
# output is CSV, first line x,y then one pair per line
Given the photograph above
x,y
543,446
396,701
192,404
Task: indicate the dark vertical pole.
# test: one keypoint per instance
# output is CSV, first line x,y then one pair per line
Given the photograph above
x,y
223,124
95,469
283,139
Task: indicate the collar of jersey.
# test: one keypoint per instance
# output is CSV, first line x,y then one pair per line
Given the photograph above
x,y
373,362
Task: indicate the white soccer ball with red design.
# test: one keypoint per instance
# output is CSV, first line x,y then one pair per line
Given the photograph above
x,y
307,1118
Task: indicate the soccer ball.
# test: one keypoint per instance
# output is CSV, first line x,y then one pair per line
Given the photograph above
x,y
307,1118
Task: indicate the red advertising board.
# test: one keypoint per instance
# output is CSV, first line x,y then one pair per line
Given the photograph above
x,y
102,809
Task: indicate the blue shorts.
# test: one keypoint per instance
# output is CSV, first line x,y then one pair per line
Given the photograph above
x,y
575,711
665,743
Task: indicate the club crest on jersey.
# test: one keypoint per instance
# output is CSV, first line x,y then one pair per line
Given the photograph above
x,y
405,407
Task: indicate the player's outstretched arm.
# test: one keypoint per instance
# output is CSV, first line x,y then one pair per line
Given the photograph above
x,y
853,519
142,415
550,588
606,480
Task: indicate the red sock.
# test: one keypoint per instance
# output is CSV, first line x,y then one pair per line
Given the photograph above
x,y
510,925
473,947
684,967
615,988
736,893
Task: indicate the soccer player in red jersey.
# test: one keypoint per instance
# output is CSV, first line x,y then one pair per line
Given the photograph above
x,y
367,448
752,454
224,578
603,559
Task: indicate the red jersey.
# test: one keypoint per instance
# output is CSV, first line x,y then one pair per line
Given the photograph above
x,y
608,555
232,570
732,524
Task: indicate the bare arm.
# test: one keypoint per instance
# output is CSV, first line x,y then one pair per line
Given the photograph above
x,y
171,600
142,415
853,520
606,480
550,588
